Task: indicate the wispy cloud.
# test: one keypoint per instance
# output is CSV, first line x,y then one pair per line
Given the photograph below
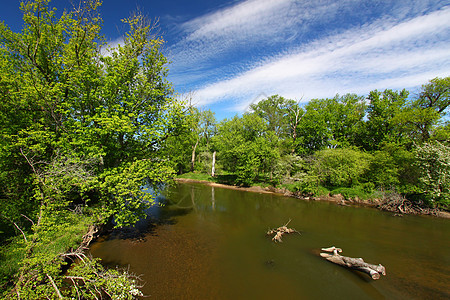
x,y
399,46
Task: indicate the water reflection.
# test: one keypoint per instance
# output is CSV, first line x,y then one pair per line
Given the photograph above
x,y
209,243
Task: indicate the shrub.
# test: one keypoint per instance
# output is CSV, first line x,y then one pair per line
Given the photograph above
x,y
433,160
340,167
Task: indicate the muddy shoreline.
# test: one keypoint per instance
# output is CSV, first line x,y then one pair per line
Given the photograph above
x,y
338,199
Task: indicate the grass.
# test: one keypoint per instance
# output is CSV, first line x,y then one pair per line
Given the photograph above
x,y
197,176
51,243
354,192
11,256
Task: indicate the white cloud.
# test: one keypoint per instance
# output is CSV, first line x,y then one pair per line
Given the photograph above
x,y
385,54
311,48
249,24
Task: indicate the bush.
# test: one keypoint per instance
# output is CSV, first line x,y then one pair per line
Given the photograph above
x,y
383,170
340,167
433,160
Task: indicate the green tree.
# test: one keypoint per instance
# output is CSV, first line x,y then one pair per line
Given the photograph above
x,y
380,127
436,95
246,147
329,123
81,132
433,160
274,110
421,116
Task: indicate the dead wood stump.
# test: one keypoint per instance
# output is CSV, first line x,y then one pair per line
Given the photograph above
x,y
358,264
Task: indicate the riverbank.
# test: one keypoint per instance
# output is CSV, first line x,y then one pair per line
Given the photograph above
x,y
338,198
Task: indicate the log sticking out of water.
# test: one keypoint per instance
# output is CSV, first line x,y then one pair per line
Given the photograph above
x,y
280,231
359,264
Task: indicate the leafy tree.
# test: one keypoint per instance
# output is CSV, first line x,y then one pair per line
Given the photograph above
x,y
433,160
436,95
442,133
313,131
81,131
246,147
274,111
422,115
329,123
383,171
380,127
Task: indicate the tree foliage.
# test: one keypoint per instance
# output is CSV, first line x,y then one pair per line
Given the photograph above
x,y
340,167
81,129
348,141
433,160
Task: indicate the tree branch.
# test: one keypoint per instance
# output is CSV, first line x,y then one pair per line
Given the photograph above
x,y
58,293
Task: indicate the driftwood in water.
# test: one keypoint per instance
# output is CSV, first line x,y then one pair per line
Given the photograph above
x,y
280,231
359,264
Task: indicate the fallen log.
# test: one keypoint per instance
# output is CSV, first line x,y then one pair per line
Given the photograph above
x,y
358,264
280,231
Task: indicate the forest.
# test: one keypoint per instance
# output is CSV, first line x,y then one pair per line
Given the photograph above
x,y
386,143
84,134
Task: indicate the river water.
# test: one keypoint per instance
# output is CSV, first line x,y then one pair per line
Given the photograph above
x,y
210,243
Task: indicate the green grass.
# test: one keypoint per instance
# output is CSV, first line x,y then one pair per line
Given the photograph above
x,y
50,244
11,255
196,176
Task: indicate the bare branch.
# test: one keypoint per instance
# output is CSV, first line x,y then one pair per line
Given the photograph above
x,y
15,225
58,293
27,218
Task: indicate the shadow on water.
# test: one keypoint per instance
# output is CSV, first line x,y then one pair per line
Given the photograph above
x,y
156,216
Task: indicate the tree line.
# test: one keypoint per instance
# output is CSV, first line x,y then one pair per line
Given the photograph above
x,y
387,141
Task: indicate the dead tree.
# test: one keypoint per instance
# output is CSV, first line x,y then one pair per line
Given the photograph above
x,y
358,264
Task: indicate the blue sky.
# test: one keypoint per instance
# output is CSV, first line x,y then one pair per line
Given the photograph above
x,y
228,54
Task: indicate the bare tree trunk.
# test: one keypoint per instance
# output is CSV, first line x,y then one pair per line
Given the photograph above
x,y
296,112
213,168
194,148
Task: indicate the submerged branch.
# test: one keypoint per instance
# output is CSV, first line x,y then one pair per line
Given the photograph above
x,y
280,231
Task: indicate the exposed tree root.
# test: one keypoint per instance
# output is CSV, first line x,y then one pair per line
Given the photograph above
x,y
278,232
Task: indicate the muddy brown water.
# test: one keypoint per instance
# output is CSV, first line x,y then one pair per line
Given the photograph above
x,y
209,243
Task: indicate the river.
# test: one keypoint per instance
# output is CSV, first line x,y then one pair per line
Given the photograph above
x,y
210,243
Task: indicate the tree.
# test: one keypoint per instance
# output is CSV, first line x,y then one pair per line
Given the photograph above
x,y
421,116
79,129
343,167
433,160
204,127
246,147
436,95
274,111
330,123
380,126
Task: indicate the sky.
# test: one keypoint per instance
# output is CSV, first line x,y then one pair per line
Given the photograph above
x,y
229,54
